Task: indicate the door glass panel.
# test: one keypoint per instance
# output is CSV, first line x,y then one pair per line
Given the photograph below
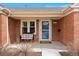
x,y
45,30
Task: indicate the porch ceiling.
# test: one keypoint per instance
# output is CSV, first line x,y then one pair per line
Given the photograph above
x,y
37,9
37,12
54,12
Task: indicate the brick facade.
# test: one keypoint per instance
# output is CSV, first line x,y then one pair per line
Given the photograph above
x,y
4,39
76,30
37,30
11,25
14,30
0,32
55,33
66,25
17,30
69,34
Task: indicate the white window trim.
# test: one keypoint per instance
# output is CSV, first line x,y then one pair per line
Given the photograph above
x,y
28,25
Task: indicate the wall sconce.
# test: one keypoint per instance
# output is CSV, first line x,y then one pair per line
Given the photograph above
x,y
54,22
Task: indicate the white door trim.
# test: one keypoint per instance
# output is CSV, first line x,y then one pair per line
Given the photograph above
x,y
50,30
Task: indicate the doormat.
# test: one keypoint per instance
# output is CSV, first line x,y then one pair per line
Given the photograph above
x,y
45,42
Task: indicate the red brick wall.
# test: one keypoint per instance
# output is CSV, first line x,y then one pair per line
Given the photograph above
x,y
69,34
37,31
0,32
3,30
11,25
55,33
14,30
76,30
17,30
66,25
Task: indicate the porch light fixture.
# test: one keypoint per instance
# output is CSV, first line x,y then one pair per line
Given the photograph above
x,y
54,22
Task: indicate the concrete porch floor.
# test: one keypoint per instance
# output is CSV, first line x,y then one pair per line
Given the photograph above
x,y
47,49
50,49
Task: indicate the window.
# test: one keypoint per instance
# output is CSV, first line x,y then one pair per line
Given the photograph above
x,y
32,27
24,28
28,27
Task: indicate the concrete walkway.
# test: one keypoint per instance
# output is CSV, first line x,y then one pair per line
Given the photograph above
x,y
47,52
52,49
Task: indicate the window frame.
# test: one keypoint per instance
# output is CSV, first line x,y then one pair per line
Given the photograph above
x,y
28,25
32,27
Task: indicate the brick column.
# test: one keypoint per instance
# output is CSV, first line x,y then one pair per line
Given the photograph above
x,y
17,30
0,33
4,38
76,30
37,29
76,34
36,36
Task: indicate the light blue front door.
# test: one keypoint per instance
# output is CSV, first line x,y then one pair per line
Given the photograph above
x,y
45,30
